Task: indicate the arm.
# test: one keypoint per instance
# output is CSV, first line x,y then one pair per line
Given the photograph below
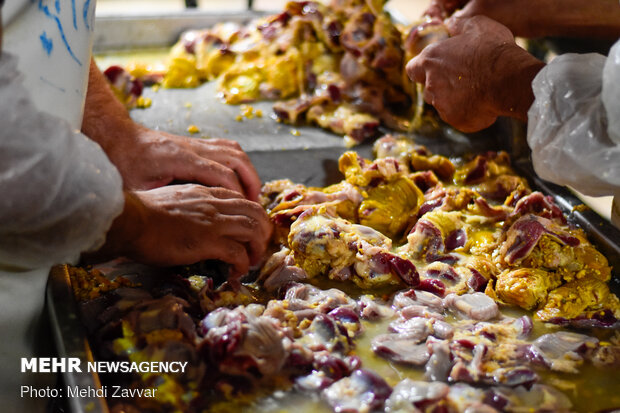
x,y
539,18
149,159
471,87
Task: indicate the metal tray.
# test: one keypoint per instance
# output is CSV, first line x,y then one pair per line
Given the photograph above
x,y
309,157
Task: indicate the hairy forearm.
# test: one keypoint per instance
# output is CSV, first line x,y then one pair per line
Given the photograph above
x,y
106,121
572,18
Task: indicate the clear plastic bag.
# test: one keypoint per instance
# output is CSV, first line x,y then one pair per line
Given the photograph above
x,y
574,123
60,192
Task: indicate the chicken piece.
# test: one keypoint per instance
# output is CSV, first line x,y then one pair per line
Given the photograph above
x,y
241,83
447,199
441,165
394,146
476,306
493,164
423,34
126,88
503,188
391,199
408,393
524,235
296,194
408,153
363,173
292,111
389,208
344,120
572,262
434,234
323,244
576,298
201,55
212,57
376,43
285,201
538,204
526,287
240,343
280,270
363,391
591,263
316,241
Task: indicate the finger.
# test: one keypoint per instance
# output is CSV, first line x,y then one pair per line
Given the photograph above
x,y
223,142
415,69
231,252
249,209
247,175
435,10
250,231
456,23
209,173
429,96
223,193
240,207
231,156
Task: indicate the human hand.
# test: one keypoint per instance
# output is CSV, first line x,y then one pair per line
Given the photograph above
x,y
148,159
476,75
514,14
442,9
532,18
185,224
153,158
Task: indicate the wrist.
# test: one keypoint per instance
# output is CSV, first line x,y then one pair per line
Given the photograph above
x,y
513,93
124,233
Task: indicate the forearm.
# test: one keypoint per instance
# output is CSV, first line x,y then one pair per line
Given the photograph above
x,y
106,121
571,18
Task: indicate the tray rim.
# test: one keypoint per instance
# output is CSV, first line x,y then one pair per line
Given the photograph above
x,y
71,340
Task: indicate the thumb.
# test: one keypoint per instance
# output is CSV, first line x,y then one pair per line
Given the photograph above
x,y
415,69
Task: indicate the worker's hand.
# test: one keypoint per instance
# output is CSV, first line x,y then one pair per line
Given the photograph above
x,y
185,224
533,18
443,9
514,14
148,159
152,159
476,75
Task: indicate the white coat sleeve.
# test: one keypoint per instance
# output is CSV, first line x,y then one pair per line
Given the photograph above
x,y
59,193
574,124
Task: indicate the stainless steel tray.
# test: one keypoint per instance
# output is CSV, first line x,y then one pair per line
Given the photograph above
x,y
70,339
309,158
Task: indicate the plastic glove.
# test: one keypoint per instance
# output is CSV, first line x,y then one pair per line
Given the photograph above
x,y
574,123
60,192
